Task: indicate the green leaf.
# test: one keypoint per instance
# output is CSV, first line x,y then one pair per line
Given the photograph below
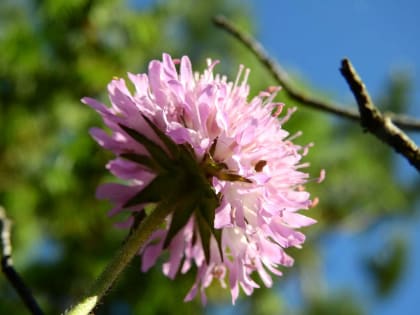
x,y
388,265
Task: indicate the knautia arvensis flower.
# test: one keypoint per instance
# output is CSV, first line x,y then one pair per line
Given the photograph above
x,y
223,165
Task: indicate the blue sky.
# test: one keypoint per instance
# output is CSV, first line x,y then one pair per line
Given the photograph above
x,y
379,36
309,38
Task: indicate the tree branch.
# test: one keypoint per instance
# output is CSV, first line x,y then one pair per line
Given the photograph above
x,y
8,269
373,121
281,76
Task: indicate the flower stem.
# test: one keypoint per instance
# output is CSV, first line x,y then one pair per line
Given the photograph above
x,y
130,248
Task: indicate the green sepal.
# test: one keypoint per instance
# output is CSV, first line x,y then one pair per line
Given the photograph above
x,y
207,211
157,153
220,170
218,236
169,143
233,177
205,234
142,159
182,213
188,148
138,217
152,192
208,205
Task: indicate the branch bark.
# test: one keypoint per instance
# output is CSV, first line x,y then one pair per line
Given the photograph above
x,y
280,75
375,122
8,269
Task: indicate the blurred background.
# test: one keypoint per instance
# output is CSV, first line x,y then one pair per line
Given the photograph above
x,y
363,255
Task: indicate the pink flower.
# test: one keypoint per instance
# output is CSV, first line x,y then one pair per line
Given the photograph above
x,y
225,166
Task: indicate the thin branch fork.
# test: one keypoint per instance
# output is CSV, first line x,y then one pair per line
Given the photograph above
x,y
8,269
373,121
281,76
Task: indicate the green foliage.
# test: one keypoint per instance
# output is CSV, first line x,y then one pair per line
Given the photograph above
x,y
338,304
387,266
53,53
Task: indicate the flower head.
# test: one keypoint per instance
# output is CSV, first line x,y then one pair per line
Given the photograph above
x,y
224,166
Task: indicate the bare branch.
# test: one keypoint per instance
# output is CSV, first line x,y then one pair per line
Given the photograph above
x,y
281,76
8,269
373,121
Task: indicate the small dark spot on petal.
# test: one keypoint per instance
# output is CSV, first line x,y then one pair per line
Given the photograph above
x,y
260,164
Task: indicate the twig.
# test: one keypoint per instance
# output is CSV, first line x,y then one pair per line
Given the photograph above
x,y
281,76
373,121
8,269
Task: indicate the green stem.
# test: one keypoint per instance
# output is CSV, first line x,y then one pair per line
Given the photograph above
x,y
121,260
